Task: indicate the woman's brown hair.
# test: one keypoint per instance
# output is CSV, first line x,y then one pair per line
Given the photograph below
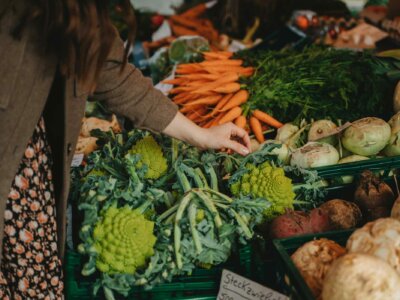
x,y
80,32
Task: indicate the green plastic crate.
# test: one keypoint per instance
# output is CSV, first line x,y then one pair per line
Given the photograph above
x,y
291,279
203,284
382,165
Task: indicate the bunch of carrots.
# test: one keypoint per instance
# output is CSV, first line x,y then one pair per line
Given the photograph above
x,y
209,94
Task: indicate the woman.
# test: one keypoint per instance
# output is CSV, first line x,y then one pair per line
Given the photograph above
x,y
54,55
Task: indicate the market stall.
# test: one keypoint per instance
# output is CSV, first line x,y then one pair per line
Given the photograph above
x,y
314,203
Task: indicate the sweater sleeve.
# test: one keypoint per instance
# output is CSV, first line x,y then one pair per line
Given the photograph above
x,y
128,93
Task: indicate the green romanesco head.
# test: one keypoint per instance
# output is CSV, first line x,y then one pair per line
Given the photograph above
x,y
124,240
266,181
152,156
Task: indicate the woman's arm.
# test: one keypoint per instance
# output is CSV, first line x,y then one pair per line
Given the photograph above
x,y
133,96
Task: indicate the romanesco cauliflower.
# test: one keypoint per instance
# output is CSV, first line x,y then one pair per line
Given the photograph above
x,y
152,156
124,240
266,181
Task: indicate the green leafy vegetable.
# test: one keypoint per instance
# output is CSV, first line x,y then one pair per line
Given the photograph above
x,y
318,83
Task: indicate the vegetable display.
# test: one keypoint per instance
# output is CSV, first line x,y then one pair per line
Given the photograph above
x,y
154,208
209,94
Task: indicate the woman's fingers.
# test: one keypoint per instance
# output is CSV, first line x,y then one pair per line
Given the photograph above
x,y
237,147
241,133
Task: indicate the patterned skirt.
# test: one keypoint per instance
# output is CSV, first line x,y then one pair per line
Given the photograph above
x,y
31,268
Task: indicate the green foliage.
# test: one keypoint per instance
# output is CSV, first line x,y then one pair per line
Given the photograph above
x,y
124,241
318,83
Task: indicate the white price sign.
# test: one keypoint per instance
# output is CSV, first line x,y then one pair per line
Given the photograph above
x,y
77,160
236,287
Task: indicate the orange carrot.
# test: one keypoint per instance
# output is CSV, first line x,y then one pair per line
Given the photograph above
x,y
218,54
231,115
197,113
255,126
239,98
210,100
175,81
228,88
266,118
179,30
201,76
241,121
230,62
216,120
220,104
179,90
228,78
187,109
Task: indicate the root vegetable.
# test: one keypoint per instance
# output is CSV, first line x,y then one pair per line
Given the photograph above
x,y
342,214
381,239
295,223
374,197
290,224
395,213
319,130
367,136
286,131
314,259
319,221
360,276
89,124
314,154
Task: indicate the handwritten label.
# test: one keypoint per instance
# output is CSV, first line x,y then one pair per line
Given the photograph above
x,y
236,287
77,160
333,131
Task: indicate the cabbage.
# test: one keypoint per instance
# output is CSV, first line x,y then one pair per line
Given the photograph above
x,y
315,154
367,136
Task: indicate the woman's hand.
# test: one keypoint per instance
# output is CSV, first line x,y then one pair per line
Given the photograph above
x,y
218,137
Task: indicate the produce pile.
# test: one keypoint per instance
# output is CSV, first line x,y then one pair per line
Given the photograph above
x,y
334,272
317,83
154,208
367,268
324,143
209,94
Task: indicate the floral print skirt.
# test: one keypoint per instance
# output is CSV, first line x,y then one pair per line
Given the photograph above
x,y
31,268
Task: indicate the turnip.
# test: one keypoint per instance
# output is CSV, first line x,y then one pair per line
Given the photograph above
x,y
367,136
314,154
323,131
361,276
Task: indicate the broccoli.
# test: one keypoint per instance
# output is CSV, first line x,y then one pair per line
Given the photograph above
x,y
151,155
266,181
124,240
